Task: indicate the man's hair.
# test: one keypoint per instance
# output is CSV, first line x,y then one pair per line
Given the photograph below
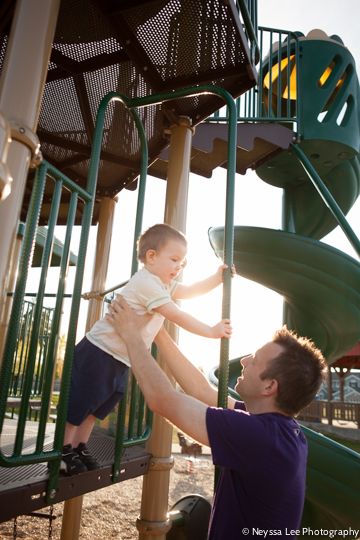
x,y
156,237
299,371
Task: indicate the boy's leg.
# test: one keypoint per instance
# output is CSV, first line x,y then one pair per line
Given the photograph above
x,y
82,397
70,433
75,449
79,434
97,385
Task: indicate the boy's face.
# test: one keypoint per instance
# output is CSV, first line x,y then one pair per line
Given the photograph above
x,y
167,262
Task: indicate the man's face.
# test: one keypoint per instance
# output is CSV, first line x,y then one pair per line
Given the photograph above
x,y
250,384
167,262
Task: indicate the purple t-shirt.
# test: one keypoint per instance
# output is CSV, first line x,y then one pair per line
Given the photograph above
x,y
263,470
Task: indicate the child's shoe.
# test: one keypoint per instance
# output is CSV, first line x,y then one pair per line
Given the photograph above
x,y
70,462
86,458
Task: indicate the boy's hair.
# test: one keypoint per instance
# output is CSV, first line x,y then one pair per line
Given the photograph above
x,y
156,237
299,371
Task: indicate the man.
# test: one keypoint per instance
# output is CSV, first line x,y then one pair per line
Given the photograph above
x,y
257,443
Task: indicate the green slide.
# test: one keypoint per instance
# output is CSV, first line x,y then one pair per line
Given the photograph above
x,y
319,283
320,286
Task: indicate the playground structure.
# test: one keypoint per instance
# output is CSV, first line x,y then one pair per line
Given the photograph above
x,y
159,85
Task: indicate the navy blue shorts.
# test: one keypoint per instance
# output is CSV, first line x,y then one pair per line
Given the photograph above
x,y
98,382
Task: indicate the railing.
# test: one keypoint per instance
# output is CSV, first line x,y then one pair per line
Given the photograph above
x,y
331,410
30,356
52,182
276,97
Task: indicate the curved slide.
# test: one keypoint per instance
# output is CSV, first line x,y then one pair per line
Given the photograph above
x,y
320,285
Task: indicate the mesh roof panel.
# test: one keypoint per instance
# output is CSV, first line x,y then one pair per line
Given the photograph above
x,y
136,48
61,116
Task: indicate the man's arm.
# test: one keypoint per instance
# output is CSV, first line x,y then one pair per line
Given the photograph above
x,y
185,412
183,292
190,378
173,313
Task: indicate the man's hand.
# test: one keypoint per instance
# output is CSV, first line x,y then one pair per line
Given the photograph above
x,y
222,330
124,319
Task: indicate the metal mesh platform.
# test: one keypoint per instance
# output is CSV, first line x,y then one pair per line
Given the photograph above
x,y
136,48
23,489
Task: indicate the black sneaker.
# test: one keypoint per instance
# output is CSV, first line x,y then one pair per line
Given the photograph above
x,y
86,458
70,462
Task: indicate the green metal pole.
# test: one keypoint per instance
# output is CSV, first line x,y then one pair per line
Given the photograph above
x,y
142,188
327,197
228,250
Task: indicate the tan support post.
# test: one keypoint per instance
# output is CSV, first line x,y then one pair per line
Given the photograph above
x,y
154,522
73,507
103,242
21,90
71,519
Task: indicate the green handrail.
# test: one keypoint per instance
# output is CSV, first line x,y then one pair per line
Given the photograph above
x,y
327,197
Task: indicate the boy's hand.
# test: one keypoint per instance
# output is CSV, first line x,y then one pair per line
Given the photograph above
x,y
223,329
220,272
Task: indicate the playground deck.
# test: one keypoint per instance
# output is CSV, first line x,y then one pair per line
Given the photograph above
x,y
23,489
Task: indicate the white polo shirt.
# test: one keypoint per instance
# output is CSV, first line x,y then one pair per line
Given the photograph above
x,y
143,293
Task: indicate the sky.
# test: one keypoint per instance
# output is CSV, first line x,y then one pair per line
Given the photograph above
x,y
256,312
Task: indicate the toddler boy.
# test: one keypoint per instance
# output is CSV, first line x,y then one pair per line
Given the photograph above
x,y
100,368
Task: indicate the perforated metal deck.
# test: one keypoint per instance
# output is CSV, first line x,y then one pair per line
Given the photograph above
x,y
23,489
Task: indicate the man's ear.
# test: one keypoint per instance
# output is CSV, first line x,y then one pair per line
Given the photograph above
x,y
150,255
270,387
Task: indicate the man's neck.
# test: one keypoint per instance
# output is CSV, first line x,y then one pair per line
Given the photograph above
x,y
262,407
